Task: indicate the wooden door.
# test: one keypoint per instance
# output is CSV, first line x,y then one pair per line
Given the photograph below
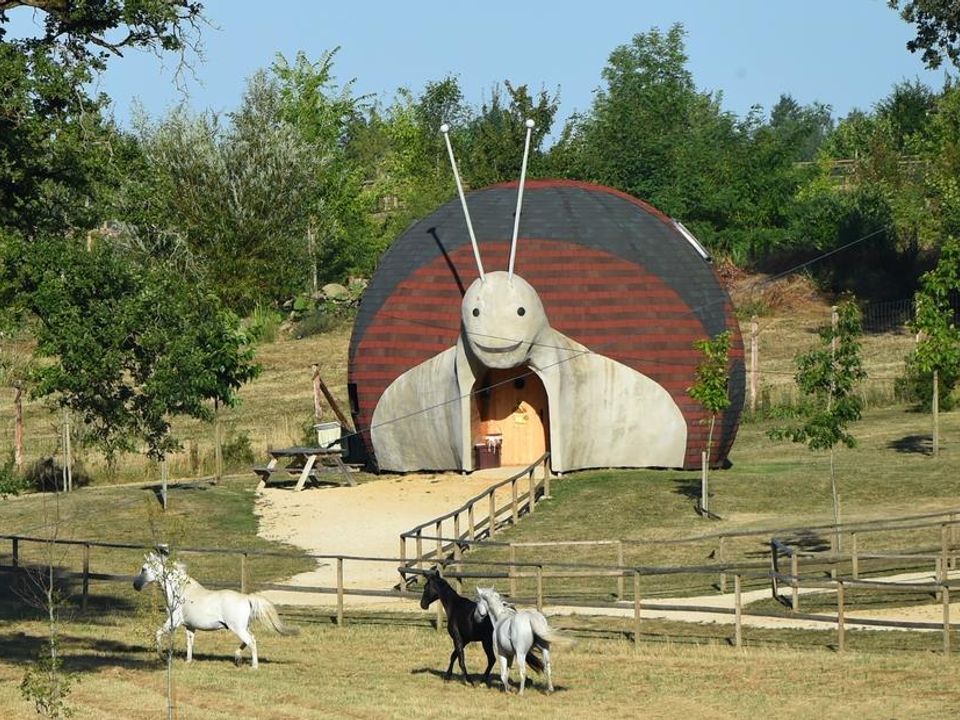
x,y
517,403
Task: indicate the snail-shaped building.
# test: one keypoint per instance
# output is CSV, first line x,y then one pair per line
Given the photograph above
x,y
575,336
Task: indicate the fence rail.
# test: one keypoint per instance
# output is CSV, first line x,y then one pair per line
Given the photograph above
x,y
806,572
467,527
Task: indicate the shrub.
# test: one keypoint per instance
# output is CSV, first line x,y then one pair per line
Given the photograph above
x,y
46,475
916,388
237,451
11,481
264,323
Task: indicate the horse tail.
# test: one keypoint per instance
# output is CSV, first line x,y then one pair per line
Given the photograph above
x,y
534,660
543,634
265,612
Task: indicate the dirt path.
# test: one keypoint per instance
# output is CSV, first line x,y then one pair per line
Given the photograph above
x,y
363,521
367,521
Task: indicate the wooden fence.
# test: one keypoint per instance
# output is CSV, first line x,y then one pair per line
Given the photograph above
x,y
807,569
465,525
631,602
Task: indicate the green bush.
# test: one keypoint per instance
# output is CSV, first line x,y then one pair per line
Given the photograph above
x,y
237,451
11,482
916,388
324,319
46,475
264,323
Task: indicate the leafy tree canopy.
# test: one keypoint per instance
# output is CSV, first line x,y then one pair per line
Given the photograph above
x,y
132,337
827,376
938,29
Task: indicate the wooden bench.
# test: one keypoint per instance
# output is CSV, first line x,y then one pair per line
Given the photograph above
x,y
303,463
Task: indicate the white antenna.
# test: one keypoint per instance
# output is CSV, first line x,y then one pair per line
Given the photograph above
x,y
445,129
516,216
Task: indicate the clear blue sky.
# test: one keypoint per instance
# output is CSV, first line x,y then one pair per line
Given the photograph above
x,y
845,53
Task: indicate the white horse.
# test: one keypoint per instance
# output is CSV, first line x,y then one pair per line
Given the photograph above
x,y
196,608
516,634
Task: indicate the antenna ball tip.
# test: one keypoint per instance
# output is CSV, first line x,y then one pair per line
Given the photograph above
x,y
445,128
529,123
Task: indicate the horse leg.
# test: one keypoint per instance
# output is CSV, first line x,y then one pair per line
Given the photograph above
x,y
247,640
522,667
190,636
171,624
453,659
491,658
545,651
505,674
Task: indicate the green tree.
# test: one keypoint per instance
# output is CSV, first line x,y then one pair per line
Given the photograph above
x,y
711,390
934,366
131,341
218,184
827,377
494,138
54,145
937,26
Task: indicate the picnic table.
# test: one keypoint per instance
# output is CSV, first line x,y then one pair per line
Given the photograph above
x,y
303,463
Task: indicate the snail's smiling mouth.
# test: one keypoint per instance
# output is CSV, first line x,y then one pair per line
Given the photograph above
x,y
504,349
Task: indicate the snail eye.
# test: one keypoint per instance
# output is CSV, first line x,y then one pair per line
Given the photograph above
x,y
476,312
521,312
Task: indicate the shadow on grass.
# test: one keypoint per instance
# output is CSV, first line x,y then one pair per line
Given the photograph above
x,y
913,444
22,596
80,654
172,488
534,680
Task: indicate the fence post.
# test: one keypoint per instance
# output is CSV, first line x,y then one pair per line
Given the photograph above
x,y
456,537
636,610
840,624
794,582
754,364
620,565
854,557
540,587
243,572
532,485
438,529
944,551
704,490
513,501
471,525
723,575
339,592
513,570
492,522
546,478
403,563
737,612
86,576
953,538
16,552
419,548
946,619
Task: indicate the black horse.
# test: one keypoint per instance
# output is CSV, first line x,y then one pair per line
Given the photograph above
x,y
463,623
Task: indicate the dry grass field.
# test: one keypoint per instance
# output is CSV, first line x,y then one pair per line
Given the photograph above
x,y
392,667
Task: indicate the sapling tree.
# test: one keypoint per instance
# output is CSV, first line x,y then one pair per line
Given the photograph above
x,y
828,377
711,390
935,362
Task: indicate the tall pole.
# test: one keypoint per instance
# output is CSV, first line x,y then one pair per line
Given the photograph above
x,y
754,363
18,425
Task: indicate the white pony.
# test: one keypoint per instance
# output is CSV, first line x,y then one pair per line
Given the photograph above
x,y
516,633
196,608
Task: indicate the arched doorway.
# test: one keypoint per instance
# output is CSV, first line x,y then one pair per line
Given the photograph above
x,y
514,402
